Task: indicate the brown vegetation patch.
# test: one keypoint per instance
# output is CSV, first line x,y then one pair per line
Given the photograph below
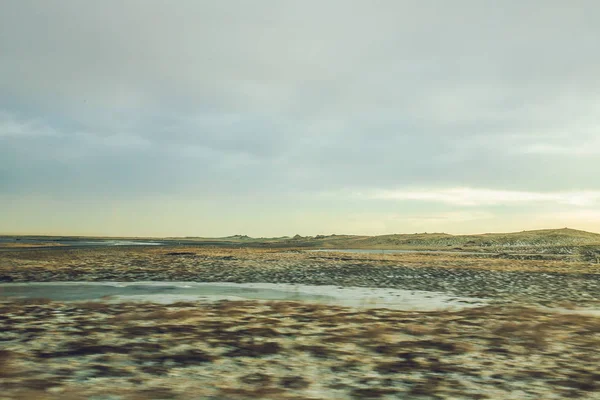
x,y
317,351
83,348
264,392
395,367
107,371
256,378
180,253
183,359
143,330
157,393
254,349
8,363
372,393
294,382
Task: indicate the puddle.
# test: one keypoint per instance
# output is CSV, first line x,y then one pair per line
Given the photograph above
x,y
168,292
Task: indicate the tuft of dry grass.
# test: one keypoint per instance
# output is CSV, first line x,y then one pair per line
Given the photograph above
x,y
8,366
263,392
254,349
372,393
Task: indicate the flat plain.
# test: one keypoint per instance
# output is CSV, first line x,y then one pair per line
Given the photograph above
x,y
537,337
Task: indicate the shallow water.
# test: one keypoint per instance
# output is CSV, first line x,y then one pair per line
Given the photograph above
x,y
115,243
393,251
167,292
82,242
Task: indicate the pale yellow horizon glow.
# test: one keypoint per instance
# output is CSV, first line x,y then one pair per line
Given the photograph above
x,y
172,217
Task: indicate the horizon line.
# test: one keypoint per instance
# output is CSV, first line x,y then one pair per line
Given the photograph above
x,y
282,236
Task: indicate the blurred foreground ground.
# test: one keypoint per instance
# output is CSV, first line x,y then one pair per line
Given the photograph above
x,y
283,350
533,342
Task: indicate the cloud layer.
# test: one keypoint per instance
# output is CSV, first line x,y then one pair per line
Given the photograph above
x,y
271,100
487,197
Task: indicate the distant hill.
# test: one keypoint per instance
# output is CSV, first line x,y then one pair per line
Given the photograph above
x,y
563,241
544,238
537,238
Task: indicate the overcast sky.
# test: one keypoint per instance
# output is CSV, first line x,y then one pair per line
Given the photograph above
x,y
275,117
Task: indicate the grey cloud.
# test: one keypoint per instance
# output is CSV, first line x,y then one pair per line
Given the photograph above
x,y
300,96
